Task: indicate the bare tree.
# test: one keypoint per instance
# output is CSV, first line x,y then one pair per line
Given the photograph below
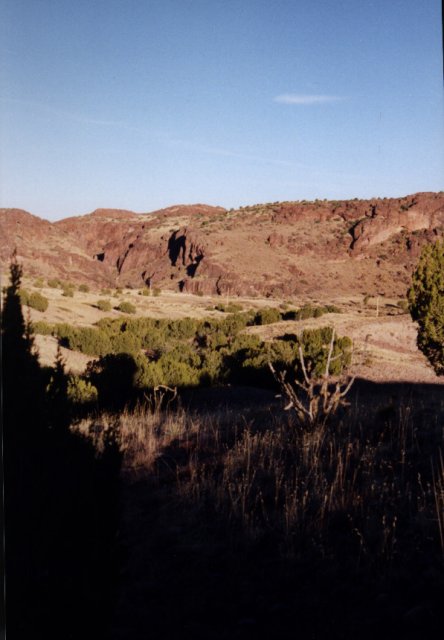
x,y
314,399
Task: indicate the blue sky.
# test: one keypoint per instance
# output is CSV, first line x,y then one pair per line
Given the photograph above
x,y
141,104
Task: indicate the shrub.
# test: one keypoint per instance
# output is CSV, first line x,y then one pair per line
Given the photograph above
x,y
80,391
54,283
145,292
43,328
331,308
37,301
315,345
68,291
104,305
84,288
126,307
105,292
39,283
267,316
426,303
34,300
125,342
231,307
24,296
157,291
93,342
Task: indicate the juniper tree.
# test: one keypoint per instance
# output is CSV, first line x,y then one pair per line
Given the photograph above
x,y
23,385
426,304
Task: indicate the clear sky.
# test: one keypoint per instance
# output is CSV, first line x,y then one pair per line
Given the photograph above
x,y
141,104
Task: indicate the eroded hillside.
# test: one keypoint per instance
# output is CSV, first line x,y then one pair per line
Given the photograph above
x,y
279,249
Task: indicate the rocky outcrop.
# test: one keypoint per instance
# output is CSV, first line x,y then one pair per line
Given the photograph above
x,y
281,249
387,219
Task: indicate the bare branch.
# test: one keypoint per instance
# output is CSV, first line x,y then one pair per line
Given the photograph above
x,y
330,353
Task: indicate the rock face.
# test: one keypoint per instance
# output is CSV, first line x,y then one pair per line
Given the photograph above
x,y
280,249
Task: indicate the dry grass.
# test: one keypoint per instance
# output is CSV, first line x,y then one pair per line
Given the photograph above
x,y
344,490
234,516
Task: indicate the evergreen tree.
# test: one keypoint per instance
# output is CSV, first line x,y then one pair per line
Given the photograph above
x,y
22,380
426,303
60,497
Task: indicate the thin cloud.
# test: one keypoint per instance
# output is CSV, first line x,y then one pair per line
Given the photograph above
x,y
61,113
295,98
218,151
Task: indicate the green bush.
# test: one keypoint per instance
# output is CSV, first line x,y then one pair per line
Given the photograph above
x,y
231,307
267,316
126,307
125,342
24,296
38,302
54,283
34,300
315,345
426,303
331,308
92,342
68,291
104,305
43,328
80,391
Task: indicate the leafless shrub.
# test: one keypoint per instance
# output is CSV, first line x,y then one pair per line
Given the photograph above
x,y
314,399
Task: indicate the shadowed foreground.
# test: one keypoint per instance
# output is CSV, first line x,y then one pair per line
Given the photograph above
x,y
237,524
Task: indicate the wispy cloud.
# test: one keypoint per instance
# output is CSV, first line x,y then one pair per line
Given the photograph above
x,y
229,153
296,98
62,113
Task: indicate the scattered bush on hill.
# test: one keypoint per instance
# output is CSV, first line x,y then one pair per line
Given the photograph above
x,y
34,300
84,288
267,316
88,340
104,305
68,290
126,307
43,328
231,307
54,283
37,301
